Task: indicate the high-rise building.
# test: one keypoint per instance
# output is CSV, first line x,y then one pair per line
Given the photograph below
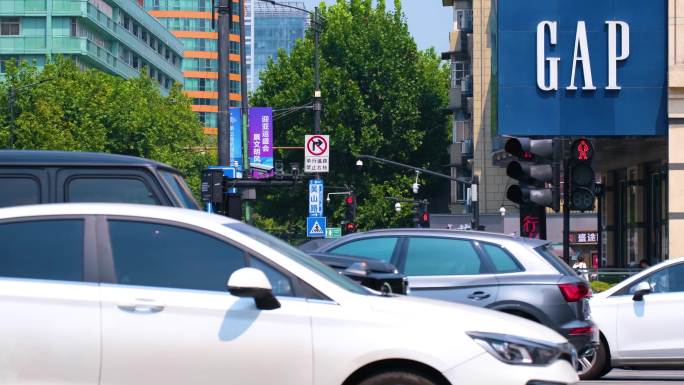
x,y
116,36
274,28
190,21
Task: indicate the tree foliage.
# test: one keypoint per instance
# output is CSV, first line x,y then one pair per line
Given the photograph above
x,y
381,96
65,108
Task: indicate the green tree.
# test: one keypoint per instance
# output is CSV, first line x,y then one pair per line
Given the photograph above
x,y
381,96
65,108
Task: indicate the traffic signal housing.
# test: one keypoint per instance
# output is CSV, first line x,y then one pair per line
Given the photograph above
x,y
424,216
536,164
350,214
582,176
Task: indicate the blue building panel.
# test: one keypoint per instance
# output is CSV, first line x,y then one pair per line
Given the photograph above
x,y
639,108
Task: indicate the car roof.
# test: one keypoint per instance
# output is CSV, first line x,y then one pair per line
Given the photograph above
x,y
470,234
113,209
637,277
73,158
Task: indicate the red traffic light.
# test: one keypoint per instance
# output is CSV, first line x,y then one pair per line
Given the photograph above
x,y
349,199
425,217
582,150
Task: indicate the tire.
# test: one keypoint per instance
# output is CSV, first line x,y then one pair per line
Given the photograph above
x,y
598,364
397,378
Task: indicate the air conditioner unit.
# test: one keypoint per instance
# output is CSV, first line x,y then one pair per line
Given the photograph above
x,y
455,99
467,148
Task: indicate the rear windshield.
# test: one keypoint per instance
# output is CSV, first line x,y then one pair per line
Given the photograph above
x,y
546,251
180,189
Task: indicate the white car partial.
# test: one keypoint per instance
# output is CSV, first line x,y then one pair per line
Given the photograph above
x,y
116,294
640,320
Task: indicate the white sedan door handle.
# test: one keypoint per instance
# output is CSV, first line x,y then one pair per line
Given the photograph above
x,y
141,305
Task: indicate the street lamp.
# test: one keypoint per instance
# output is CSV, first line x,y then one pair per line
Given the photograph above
x,y
415,186
397,207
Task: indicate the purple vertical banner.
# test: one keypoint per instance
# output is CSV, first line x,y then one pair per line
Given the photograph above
x,y
261,142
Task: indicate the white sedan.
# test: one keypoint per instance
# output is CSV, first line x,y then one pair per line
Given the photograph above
x,y
127,294
641,321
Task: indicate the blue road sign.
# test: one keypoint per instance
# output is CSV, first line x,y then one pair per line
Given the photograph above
x,y
316,198
315,227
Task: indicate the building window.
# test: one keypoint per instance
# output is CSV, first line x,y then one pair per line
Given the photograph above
x,y
74,27
9,26
127,22
460,72
463,19
155,4
234,67
234,87
208,119
205,102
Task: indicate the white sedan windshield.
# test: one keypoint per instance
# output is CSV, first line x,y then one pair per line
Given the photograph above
x,y
299,256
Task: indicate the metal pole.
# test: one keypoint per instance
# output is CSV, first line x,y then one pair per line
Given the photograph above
x,y
317,76
225,21
244,97
599,221
566,208
476,202
10,101
422,170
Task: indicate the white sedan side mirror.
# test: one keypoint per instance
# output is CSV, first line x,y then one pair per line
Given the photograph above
x,y
252,283
641,289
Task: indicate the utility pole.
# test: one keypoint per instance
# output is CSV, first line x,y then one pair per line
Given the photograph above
x,y
244,98
566,205
317,77
225,23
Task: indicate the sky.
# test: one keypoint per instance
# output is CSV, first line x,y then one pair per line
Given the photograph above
x,y
428,21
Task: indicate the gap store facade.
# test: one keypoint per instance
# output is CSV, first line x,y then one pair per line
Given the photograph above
x,y
608,70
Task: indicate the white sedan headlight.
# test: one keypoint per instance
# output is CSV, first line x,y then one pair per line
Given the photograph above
x,y
515,350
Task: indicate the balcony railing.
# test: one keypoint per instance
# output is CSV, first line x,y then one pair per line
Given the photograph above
x,y
21,7
22,44
67,6
97,53
102,19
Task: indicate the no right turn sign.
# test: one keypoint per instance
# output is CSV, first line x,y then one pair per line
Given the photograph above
x,y
317,149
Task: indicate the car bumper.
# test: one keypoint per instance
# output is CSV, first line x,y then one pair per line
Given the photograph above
x,y
485,370
582,337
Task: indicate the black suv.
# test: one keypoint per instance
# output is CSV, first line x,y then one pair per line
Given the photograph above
x,y
34,177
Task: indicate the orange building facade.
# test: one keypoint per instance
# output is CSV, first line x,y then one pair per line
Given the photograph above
x,y
190,21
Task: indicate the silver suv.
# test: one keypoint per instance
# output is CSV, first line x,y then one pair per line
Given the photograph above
x,y
515,275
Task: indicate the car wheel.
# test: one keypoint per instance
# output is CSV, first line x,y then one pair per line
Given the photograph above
x,y
397,378
595,365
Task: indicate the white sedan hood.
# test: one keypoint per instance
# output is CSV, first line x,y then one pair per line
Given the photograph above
x,y
464,317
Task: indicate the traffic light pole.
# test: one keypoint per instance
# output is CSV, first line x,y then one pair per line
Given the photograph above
x,y
225,21
566,207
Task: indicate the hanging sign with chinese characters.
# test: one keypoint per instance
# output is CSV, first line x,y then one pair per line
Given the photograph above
x,y
261,142
584,237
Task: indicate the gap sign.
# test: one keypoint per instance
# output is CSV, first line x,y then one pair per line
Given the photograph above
x,y
582,67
